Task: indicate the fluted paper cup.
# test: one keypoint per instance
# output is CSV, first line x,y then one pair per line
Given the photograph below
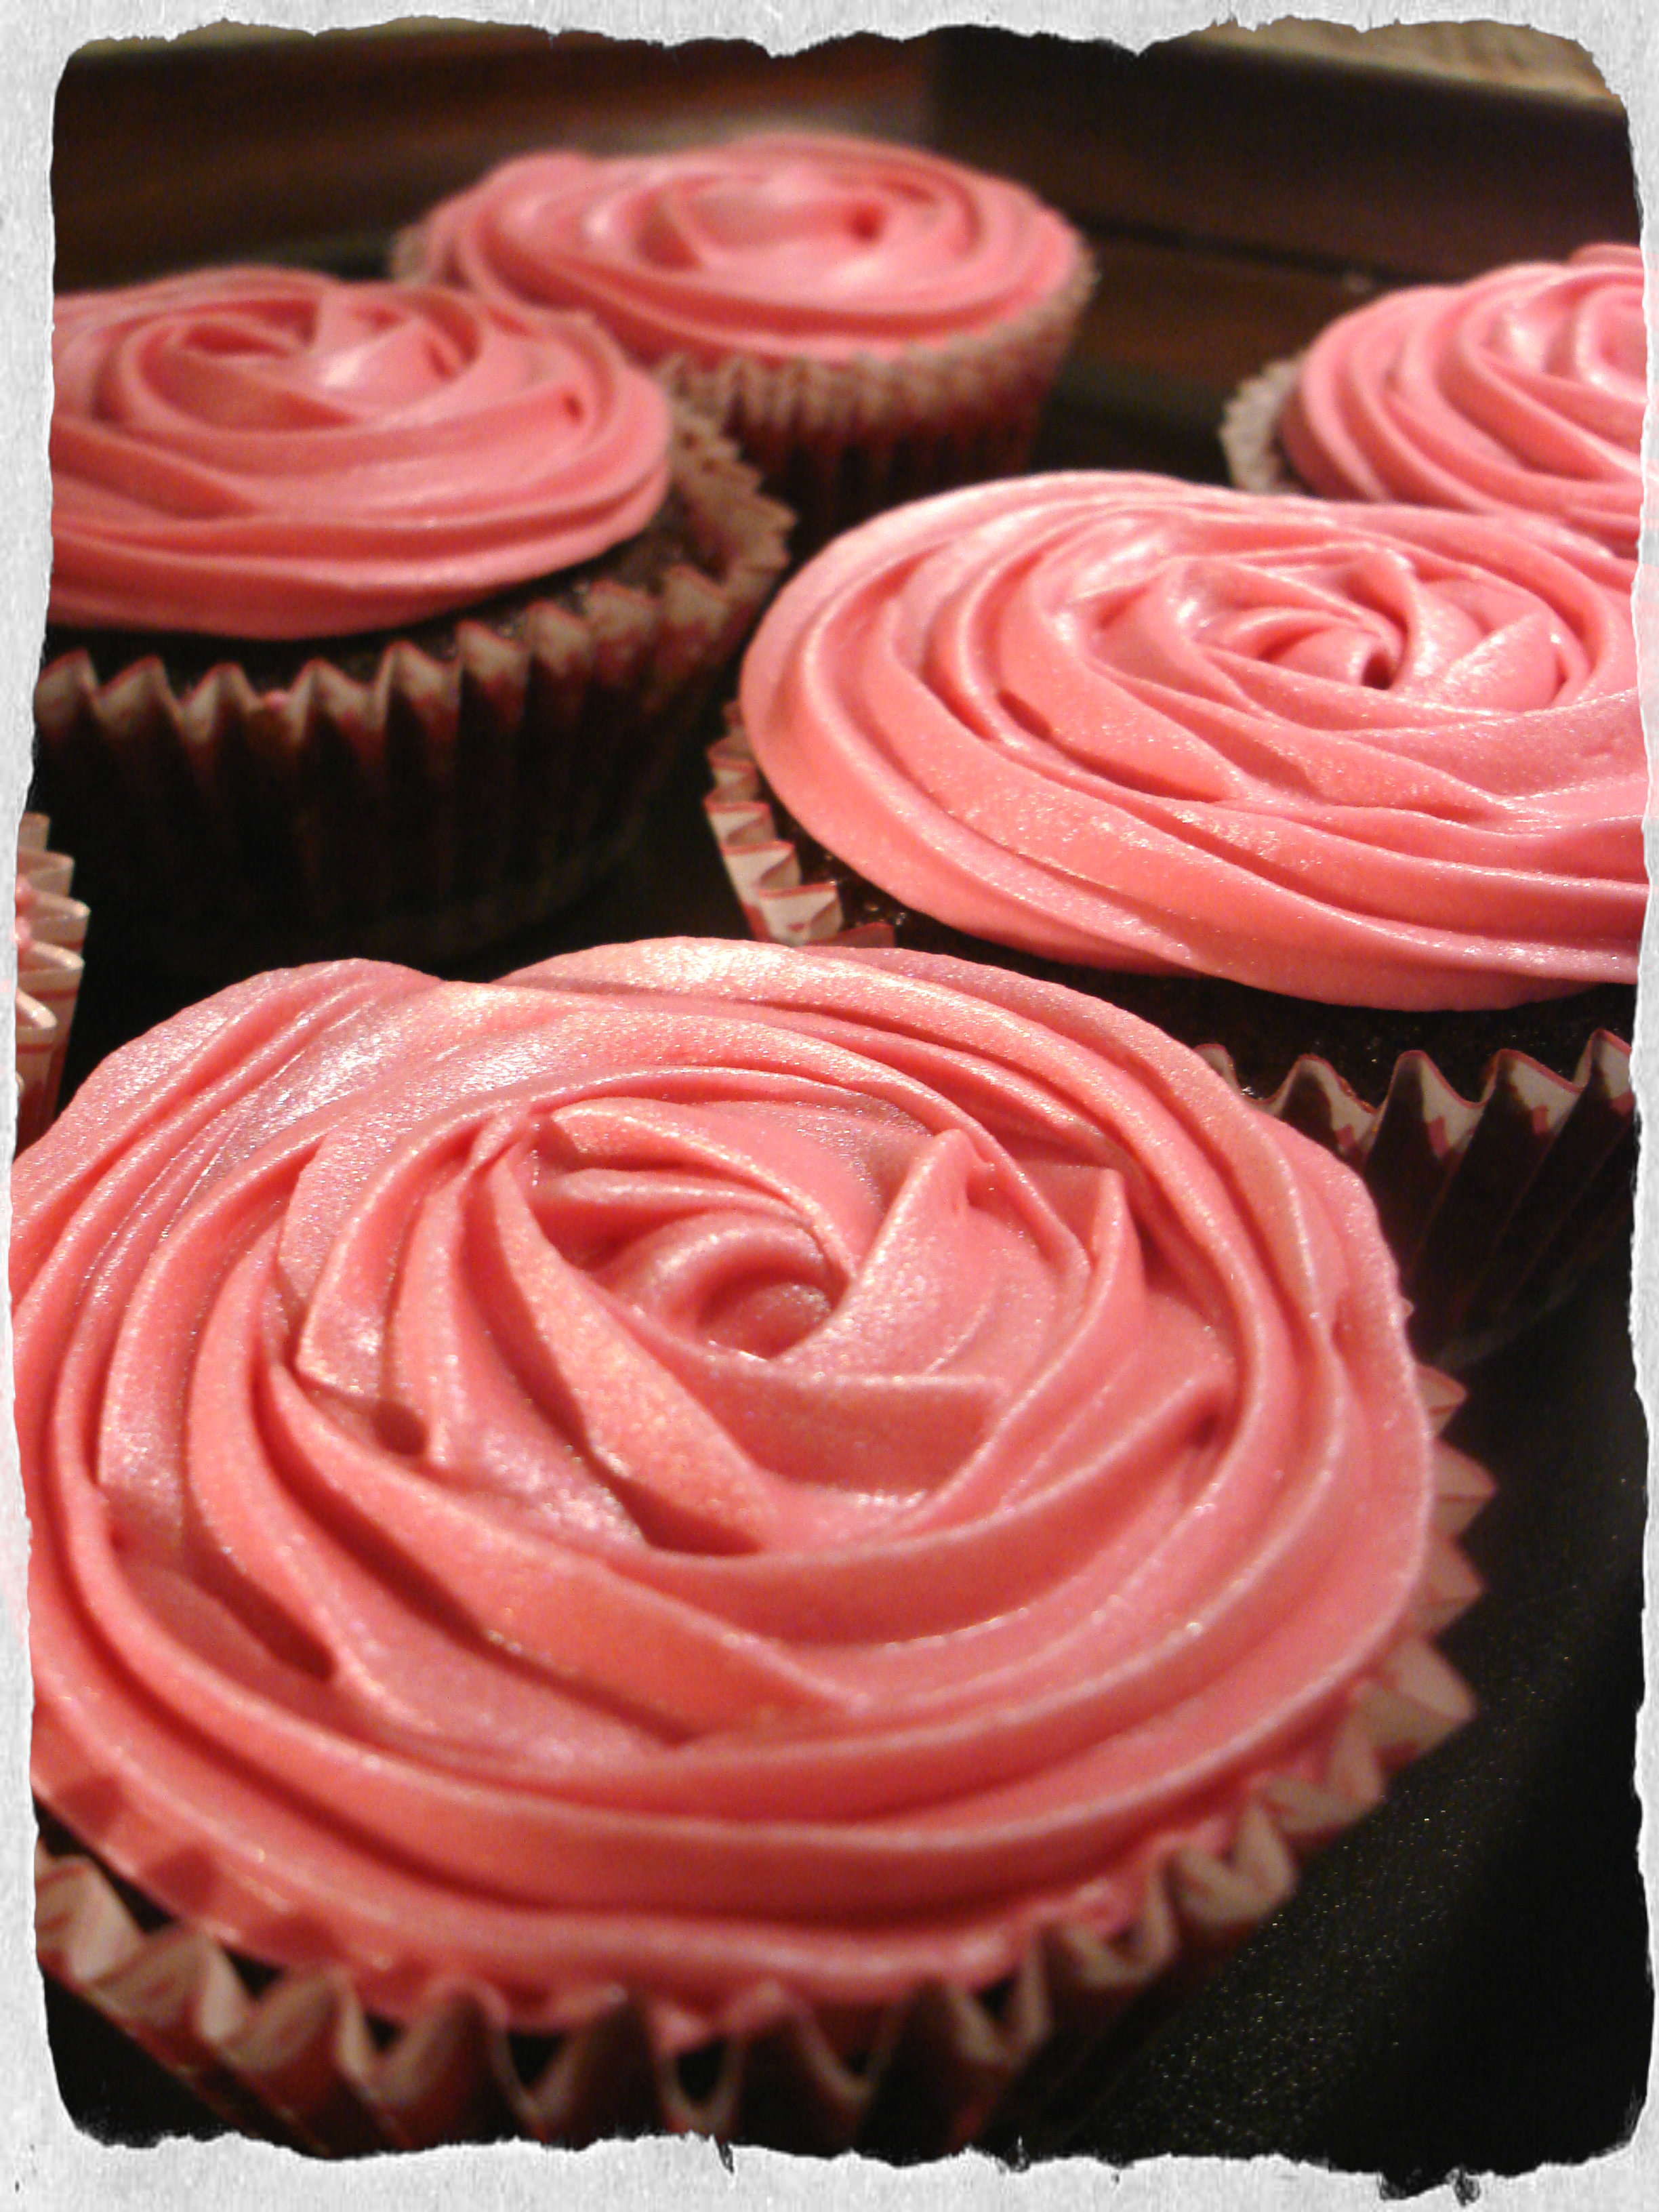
x,y
445,795
837,441
297,2059
51,932
1249,428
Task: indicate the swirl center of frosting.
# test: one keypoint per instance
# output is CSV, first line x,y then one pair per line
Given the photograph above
x,y
1377,756
701,1467
785,246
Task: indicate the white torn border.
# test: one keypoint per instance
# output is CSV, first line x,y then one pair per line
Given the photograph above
x,y
44,2158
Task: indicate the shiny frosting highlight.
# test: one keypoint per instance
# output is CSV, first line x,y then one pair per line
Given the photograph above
x,y
272,453
783,246
1368,755
753,1476
1522,391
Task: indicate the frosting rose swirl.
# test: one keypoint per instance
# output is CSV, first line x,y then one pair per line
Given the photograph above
x,y
700,1467
256,452
1522,392
1371,756
781,246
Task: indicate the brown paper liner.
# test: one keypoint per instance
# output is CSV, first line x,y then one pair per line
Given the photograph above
x,y
1493,1207
839,441
1249,430
48,978
437,802
295,2057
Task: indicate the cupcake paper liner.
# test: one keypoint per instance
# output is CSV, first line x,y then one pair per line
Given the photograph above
x,y
1249,430
839,441
49,971
421,812
1493,1207
295,2057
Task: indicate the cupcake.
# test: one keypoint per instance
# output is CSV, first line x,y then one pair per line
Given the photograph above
x,y
48,929
376,610
770,1535
1287,778
1521,394
871,322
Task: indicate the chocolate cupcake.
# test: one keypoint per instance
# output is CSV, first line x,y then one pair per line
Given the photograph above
x,y
1521,392
871,322
376,612
1288,777
765,1536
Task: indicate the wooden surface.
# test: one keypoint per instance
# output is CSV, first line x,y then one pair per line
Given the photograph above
x,y
1504,57
1237,196
167,155
1304,162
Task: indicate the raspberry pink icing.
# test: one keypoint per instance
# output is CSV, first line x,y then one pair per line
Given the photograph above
x,y
256,452
702,1468
1522,392
1371,755
780,247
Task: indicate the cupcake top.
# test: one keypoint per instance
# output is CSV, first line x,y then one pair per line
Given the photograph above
x,y
780,247
1371,755
747,1476
1520,392
272,453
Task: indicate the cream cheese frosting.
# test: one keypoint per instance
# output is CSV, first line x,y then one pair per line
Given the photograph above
x,y
784,247
753,1476
273,454
1522,391
1371,755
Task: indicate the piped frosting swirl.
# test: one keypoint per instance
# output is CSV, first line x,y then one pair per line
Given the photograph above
x,y
1371,755
700,1467
788,245
1520,392
272,453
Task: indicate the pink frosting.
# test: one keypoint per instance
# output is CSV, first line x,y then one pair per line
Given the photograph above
x,y
1371,756
784,247
257,453
1522,392
701,1467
